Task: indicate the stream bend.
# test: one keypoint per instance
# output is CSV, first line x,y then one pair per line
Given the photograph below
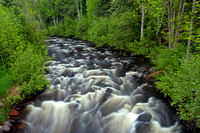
x,y
96,91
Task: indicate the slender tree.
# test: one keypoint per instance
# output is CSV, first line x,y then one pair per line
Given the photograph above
x,y
190,32
142,23
180,15
78,10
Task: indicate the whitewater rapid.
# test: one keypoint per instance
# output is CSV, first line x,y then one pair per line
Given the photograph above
x,y
94,90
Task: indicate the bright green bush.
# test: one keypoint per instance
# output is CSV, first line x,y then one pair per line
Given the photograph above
x,y
81,29
28,63
169,60
98,31
55,30
143,47
69,27
117,31
122,30
182,85
10,37
23,51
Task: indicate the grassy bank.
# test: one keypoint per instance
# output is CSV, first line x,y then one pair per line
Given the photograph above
x,y
23,54
6,82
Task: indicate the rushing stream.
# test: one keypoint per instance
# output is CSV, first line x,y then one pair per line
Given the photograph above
x,y
95,90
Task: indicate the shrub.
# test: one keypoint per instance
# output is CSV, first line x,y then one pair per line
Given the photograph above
x,y
169,60
81,29
98,31
69,27
182,85
6,82
122,30
3,114
28,63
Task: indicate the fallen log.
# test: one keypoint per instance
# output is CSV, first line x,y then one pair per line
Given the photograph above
x,y
151,75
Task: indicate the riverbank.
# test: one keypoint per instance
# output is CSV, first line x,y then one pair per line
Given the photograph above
x,y
142,66
136,64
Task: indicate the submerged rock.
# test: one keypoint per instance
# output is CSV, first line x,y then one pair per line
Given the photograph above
x,y
1,129
144,117
7,126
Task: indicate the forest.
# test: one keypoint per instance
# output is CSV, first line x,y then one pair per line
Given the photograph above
x,y
166,31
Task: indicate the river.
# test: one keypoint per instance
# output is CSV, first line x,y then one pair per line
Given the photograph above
x,y
96,90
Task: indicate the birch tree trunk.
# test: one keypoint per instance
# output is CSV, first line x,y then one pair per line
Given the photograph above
x,y
54,20
160,23
2,60
142,23
24,6
169,24
81,10
77,7
190,32
38,11
180,15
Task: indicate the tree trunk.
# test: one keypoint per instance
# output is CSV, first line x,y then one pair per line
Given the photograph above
x,y
160,23
81,10
24,6
180,15
190,32
142,23
169,24
2,60
151,75
77,7
54,20
173,21
38,11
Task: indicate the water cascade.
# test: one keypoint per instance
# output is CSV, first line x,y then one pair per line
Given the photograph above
x,y
96,91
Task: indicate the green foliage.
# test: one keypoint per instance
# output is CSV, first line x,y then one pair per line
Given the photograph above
x,y
98,31
65,28
123,29
182,86
28,63
56,30
10,37
69,26
143,47
6,82
91,10
11,100
82,29
170,60
117,31
3,114
23,52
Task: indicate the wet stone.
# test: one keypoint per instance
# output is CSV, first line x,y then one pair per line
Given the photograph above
x,y
72,74
108,90
142,128
144,117
7,126
1,129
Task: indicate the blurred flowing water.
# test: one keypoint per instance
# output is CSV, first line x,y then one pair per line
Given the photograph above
x,y
95,90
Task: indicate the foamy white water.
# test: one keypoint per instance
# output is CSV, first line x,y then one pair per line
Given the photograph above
x,y
96,91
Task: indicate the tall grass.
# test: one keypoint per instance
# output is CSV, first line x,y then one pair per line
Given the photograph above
x,y
3,114
5,83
